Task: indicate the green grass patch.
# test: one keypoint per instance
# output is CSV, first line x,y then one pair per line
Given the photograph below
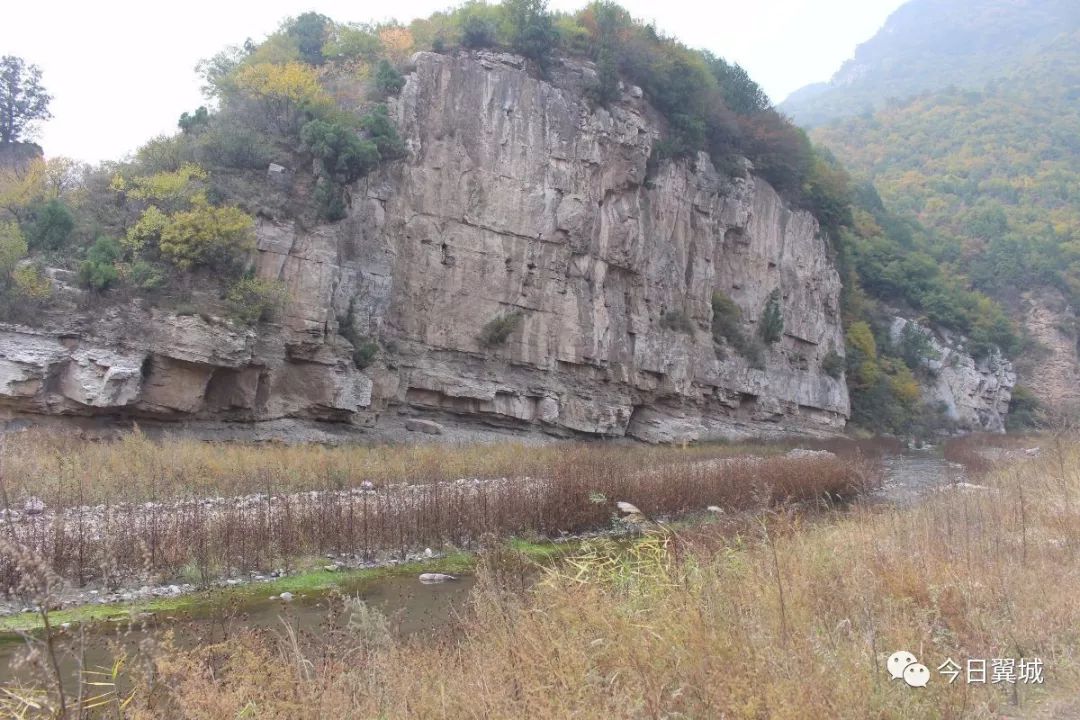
x,y
313,582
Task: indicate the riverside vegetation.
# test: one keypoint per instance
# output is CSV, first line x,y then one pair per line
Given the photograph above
x,y
770,613
153,518
137,511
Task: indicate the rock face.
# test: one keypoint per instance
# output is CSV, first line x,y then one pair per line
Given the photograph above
x,y
974,393
524,267
1052,370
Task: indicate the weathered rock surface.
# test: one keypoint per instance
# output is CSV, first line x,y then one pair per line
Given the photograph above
x,y
974,393
1051,370
517,201
425,426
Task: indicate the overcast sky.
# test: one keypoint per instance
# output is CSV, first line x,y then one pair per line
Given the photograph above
x,y
122,72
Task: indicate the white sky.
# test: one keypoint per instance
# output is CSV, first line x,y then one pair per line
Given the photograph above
x,y
122,72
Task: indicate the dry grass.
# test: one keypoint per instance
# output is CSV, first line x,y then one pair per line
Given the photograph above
x,y
138,469
980,453
771,616
135,511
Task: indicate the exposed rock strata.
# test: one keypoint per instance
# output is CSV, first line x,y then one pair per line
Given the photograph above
x,y
515,200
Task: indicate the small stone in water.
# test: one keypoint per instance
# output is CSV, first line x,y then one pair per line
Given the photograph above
x,y
34,506
428,578
286,596
428,553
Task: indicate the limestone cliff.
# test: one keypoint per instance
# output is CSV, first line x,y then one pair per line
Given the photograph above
x,y
973,394
516,201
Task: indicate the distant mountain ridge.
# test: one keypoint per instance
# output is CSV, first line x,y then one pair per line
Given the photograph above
x,y
933,44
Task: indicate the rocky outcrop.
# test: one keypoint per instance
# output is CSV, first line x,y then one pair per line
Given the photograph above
x,y
973,394
517,206
142,364
1051,369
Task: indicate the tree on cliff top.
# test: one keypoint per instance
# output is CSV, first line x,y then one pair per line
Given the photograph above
x,y
310,32
23,100
534,34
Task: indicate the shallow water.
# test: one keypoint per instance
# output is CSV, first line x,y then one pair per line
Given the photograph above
x,y
409,605
912,474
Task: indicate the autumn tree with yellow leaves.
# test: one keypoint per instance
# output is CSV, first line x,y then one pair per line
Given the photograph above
x,y
285,92
181,224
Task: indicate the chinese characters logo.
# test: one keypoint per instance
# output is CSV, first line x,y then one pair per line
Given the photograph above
x,y
976,671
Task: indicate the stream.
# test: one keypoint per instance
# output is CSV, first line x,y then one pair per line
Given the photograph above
x,y
409,605
912,474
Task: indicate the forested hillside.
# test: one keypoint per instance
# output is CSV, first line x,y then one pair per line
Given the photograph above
x,y
994,172
985,160
933,44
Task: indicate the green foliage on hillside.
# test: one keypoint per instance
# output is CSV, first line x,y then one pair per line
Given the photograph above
x,y
49,226
341,154
885,394
387,79
309,31
532,30
978,172
929,45
498,329
98,271
256,299
995,174
727,331
885,264
895,261
1025,411
772,319
13,247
